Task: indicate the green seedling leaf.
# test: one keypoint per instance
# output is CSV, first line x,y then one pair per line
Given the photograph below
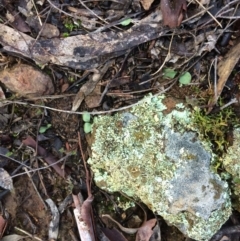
x,y
169,73
8,154
185,78
87,127
126,22
44,128
65,35
86,117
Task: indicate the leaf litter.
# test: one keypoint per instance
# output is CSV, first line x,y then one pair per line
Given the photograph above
x,y
59,57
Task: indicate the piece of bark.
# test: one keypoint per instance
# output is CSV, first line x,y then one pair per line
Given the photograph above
x,y
82,51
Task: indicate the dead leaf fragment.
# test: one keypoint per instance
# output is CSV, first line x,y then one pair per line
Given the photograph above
x,y
3,225
146,4
225,68
5,180
145,231
113,234
27,81
46,30
50,31
172,11
48,157
13,237
54,224
15,19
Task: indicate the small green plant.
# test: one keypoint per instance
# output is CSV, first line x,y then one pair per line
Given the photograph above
x,y
69,25
65,35
184,79
43,129
169,73
87,127
126,22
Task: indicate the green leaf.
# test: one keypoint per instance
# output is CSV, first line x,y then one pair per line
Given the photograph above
x,y
8,154
86,117
169,73
185,78
126,22
87,127
65,35
43,129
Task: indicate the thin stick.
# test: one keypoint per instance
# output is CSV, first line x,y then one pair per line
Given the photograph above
x,y
39,19
84,5
60,10
232,101
210,14
28,234
7,102
215,79
116,76
197,14
35,188
41,168
166,58
85,166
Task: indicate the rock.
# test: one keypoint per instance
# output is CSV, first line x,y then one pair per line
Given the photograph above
x,y
231,162
154,152
27,81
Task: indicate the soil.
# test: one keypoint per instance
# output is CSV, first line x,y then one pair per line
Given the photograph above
x,y
111,82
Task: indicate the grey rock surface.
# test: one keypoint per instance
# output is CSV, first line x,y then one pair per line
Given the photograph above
x,y
154,152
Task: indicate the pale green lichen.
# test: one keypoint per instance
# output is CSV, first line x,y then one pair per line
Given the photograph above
x,y
159,156
231,162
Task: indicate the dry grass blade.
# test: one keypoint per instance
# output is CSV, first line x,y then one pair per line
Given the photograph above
x,y
220,25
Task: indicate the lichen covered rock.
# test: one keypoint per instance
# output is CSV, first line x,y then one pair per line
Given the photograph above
x,y
231,162
154,152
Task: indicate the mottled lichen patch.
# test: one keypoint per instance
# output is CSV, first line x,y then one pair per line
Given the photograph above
x,y
231,162
159,156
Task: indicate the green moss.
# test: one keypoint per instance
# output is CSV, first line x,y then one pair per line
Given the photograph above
x,y
215,127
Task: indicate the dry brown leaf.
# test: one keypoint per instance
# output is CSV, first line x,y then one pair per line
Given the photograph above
x,y
3,225
85,90
48,158
225,68
27,81
87,217
145,231
146,3
156,236
89,87
17,22
113,234
92,100
172,11
46,30
225,238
